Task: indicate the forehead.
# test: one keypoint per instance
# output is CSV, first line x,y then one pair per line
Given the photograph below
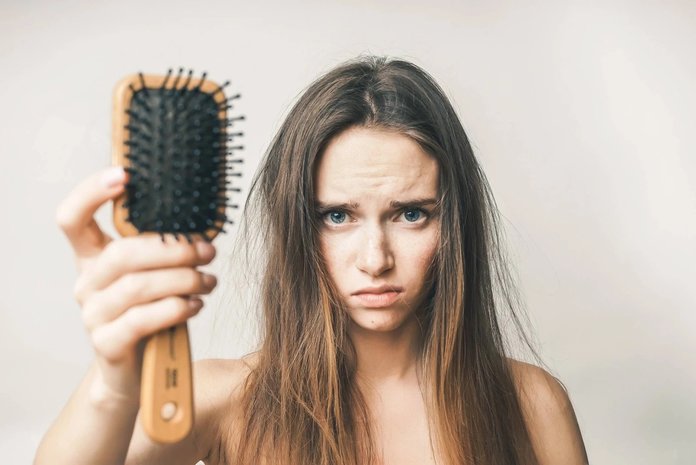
x,y
368,161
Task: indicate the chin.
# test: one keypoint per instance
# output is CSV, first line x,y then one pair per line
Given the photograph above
x,y
379,320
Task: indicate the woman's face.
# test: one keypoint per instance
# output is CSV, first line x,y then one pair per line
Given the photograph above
x,y
376,192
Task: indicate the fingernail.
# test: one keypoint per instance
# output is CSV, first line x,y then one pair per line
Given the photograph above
x,y
209,280
195,303
205,250
113,176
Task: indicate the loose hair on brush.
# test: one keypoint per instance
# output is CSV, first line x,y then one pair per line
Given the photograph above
x,y
300,403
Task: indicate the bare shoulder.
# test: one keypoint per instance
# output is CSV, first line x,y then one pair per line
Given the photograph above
x,y
221,385
216,384
549,414
221,380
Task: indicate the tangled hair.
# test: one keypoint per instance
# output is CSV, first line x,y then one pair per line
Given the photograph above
x,y
300,403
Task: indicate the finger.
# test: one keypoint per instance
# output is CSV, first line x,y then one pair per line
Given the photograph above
x,y
75,214
141,288
117,340
141,253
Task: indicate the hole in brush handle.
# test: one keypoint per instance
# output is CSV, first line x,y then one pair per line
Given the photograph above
x,y
166,401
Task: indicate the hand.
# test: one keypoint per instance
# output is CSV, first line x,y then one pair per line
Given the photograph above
x,y
128,288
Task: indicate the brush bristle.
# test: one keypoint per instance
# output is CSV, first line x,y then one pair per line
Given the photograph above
x,y
178,154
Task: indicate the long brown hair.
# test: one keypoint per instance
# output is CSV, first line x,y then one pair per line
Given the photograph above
x,y
300,403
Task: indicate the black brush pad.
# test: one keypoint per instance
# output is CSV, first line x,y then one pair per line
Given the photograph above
x,y
176,141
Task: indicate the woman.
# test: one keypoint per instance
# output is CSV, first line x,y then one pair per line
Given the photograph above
x,y
382,283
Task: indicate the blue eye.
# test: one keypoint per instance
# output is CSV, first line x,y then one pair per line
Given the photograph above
x,y
337,217
412,215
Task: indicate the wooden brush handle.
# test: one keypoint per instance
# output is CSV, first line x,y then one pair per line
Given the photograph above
x,y
166,393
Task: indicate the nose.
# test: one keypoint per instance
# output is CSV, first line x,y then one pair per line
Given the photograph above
x,y
375,256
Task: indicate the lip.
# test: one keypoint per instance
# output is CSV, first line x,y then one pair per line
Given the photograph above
x,y
378,289
377,297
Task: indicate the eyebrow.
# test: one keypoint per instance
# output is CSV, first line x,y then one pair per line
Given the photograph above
x,y
395,204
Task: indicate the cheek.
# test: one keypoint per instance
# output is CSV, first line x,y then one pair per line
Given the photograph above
x,y
418,254
333,253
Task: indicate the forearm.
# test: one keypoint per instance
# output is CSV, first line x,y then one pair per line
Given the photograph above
x,y
93,428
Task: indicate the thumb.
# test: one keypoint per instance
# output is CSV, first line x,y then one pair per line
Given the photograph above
x,y
75,214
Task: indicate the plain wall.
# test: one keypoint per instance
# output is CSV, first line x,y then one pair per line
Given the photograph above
x,y
581,113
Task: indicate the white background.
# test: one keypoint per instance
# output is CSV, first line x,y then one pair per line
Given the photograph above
x,y
581,113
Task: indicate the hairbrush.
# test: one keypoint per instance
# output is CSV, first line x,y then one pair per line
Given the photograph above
x,y
173,135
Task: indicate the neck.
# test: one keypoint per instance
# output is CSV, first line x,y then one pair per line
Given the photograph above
x,y
385,357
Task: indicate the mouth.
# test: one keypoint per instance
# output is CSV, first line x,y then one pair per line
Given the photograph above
x,y
377,299
378,289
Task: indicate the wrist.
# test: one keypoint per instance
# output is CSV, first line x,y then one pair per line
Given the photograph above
x,y
103,397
